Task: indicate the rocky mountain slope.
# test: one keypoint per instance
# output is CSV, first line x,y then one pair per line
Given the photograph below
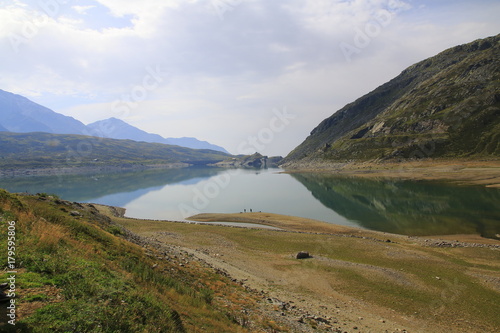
x,y
447,106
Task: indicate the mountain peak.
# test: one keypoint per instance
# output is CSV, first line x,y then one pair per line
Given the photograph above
x,y
19,114
115,128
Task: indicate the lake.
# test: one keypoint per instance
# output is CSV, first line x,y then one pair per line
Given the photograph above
x,y
396,206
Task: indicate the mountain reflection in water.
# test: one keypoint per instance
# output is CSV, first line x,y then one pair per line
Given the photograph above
x,y
395,206
409,207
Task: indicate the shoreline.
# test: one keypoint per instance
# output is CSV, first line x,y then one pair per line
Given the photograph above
x,y
82,170
303,225
295,224
485,173
288,223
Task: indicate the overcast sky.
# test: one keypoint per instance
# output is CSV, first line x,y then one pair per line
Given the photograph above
x,y
243,74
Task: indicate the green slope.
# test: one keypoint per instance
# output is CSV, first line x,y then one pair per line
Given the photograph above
x,y
447,106
43,150
76,271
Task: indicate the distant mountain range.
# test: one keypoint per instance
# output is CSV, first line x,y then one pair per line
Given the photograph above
x,y
20,115
114,128
38,150
447,106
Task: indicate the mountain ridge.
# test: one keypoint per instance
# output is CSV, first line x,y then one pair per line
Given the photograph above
x,y
21,151
114,128
446,106
19,114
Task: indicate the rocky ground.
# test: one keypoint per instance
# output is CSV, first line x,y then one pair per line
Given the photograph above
x,y
376,290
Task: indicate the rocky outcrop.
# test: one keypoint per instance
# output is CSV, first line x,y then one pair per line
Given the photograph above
x,y
256,160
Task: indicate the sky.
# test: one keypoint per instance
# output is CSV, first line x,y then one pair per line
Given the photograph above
x,y
248,75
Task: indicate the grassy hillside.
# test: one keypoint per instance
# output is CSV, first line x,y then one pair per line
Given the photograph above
x,y
43,150
447,106
77,272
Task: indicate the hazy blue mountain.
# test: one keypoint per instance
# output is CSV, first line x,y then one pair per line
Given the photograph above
x,y
19,114
118,129
194,143
113,128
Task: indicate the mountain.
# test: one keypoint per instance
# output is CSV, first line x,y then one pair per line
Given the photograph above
x,y
45,150
194,143
447,106
19,114
118,129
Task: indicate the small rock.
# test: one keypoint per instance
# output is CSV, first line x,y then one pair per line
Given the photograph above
x,y
302,255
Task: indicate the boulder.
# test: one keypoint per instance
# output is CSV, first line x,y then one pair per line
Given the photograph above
x,y
303,255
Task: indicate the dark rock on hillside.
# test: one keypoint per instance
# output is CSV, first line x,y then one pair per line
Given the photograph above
x,y
447,106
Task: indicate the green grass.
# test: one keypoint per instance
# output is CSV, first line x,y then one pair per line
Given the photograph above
x,y
99,282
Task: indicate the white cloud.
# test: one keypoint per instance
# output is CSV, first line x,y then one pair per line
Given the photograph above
x,y
82,9
224,76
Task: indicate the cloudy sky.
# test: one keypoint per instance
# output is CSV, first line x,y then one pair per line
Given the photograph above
x,y
243,74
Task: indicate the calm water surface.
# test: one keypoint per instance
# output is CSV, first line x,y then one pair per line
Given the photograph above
x,y
404,207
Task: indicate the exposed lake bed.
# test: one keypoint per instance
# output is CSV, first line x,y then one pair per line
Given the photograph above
x,y
355,279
